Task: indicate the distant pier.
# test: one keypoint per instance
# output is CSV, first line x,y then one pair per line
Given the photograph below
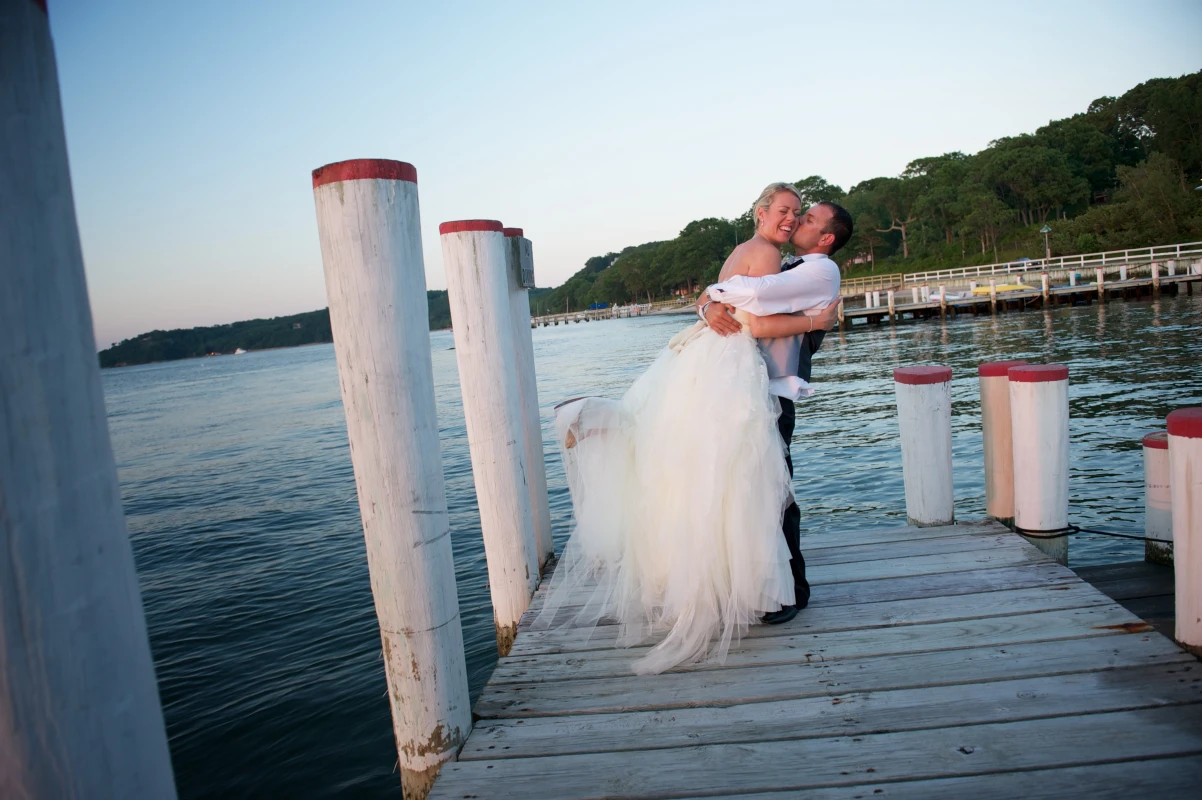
x,y
1019,300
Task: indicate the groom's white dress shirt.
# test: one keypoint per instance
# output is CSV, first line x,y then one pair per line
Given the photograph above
x,y
809,286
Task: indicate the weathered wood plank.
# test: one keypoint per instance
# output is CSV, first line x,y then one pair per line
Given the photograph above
x,y
867,643
816,678
850,714
830,550
875,551
1123,570
824,618
1004,554
800,764
1162,778
1043,573
1135,588
896,533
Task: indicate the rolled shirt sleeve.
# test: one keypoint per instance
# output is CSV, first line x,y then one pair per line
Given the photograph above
x,y
812,284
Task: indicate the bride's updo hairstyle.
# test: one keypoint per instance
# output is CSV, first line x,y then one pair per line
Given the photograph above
x,y
765,198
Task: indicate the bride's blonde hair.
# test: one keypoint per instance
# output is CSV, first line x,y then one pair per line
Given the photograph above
x,y
765,198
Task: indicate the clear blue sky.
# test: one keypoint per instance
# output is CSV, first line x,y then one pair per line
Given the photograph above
x,y
193,127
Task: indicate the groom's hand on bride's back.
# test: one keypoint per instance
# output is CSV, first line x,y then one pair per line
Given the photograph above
x,y
825,319
718,317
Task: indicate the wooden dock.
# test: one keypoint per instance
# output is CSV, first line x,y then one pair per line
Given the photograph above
x,y
932,663
1080,294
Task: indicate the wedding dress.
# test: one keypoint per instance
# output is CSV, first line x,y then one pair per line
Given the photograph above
x,y
678,490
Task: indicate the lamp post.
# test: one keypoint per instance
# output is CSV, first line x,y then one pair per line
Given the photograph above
x,y
1047,248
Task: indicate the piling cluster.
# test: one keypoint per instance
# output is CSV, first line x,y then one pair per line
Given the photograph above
x,y
1024,424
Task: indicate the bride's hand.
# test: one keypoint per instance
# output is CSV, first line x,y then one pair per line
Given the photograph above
x,y
718,317
825,319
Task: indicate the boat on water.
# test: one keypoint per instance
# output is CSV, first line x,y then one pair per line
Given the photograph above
x,y
239,351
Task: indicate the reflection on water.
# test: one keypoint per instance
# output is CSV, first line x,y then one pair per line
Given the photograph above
x,y
238,489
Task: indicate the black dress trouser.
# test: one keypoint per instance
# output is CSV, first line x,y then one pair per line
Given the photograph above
x,y
792,520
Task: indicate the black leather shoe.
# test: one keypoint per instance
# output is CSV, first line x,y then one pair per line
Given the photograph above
x,y
785,614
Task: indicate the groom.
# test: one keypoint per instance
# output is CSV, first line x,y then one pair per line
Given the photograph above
x,y
808,282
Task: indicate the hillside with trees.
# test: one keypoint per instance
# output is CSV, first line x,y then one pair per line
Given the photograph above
x,y
312,327
1120,174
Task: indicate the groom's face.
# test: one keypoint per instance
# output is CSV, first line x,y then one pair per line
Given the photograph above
x,y
808,236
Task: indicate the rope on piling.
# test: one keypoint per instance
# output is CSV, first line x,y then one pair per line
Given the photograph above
x,y
1060,533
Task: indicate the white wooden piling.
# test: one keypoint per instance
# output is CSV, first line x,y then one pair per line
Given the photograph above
x,y
1155,277
914,294
867,299
1039,432
1158,501
924,418
1072,278
1122,272
370,232
1185,479
942,300
79,705
520,273
876,299
1045,285
1171,266
996,439
892,307
1100,276
993,295
841,324
474,257
926,293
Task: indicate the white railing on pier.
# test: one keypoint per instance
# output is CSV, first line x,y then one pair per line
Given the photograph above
x,y
1084,261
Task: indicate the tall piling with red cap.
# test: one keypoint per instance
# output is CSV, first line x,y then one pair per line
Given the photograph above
x,y
924,417
477,267
996,443
1185,479
1158,500
370,232
1039,433
520,273
79,705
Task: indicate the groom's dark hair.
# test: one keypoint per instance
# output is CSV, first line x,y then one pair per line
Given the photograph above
x,y
840,225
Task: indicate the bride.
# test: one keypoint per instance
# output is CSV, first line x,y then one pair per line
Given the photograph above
x,y
678,488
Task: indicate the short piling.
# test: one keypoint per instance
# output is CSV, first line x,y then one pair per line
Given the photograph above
x,y
520,272
892,307
1158,501
370,232
925,422
1045,286
1185,479
1100,276
993,295
914,294
1039,432
1155,278
942,300
476,264
997,446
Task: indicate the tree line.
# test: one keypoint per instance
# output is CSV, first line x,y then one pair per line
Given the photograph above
x,y
1120,174
312,327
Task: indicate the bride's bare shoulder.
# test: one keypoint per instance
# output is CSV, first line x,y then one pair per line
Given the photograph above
x,y
754,258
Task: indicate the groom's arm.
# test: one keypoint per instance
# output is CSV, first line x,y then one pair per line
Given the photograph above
x,y
784,293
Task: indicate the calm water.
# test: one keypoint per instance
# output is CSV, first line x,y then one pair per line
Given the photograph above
x,y
241,504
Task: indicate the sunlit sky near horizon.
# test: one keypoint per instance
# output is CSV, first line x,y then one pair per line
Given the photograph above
x,y
193,128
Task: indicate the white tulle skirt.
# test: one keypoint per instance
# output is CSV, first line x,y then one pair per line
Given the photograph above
x,y
678,489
